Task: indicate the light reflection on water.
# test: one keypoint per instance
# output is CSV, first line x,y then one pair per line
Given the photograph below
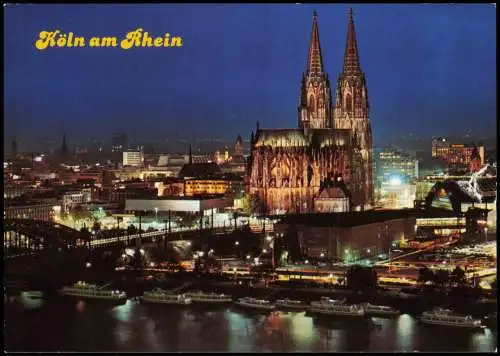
x,y
90,326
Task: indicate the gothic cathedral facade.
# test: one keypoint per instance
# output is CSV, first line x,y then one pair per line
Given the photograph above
x,y
288,168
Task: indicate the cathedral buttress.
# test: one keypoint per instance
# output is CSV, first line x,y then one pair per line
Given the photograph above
x,y
315,105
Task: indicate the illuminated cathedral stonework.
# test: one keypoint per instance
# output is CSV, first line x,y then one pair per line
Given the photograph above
x,y
289,167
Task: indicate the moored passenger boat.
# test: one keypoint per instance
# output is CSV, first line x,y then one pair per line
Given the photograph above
x,y
91,291
160,296
331,307
380,310
291,304
446,317
253,303
209,298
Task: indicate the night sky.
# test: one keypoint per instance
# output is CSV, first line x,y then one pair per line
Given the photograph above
x,y
430,69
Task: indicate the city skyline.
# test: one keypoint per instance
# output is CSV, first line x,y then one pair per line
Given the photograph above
x,y
229,91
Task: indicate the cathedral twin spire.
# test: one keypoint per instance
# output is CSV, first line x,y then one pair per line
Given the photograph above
x,y
351,57
315,108
315,59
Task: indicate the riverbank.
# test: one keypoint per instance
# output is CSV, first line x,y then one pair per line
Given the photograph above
x,y
407,303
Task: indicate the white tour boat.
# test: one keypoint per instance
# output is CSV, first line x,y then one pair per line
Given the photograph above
x,y
91,291
32,295
254,303
32,299
380,310
159,296
209,298
446,317
291,304
327,306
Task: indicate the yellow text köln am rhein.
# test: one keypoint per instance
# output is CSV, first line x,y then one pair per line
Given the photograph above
x,y
136,38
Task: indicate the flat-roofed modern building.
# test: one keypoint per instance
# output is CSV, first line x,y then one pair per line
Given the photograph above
x,y
349,236
458,157
133,158
178,204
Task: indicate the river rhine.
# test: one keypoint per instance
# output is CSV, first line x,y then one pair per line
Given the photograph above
x,y
89,326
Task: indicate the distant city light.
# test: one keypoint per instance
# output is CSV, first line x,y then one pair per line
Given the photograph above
x,y
395,181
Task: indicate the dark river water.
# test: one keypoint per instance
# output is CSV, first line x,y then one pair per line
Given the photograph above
x,y
91,326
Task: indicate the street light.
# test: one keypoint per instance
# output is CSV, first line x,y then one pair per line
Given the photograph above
x,y
264,251
322,254
237,243
485,234
269,238
306,261
248,257
156,214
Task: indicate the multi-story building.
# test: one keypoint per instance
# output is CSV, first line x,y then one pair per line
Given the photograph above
x,y
44,209
72,200
391,163
121,195
17,190
458,157
193,187
349,236
133,158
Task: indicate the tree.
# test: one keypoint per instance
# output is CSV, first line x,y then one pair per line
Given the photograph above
x,y
189,220
137,260
441,277
82,215
457,276
494,287
251,204
361,278
425,275
131,229
290,243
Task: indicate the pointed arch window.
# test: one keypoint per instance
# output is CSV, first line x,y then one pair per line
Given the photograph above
x,y
348,102
311,103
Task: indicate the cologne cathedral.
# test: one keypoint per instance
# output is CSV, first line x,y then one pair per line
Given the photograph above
x,y
332,146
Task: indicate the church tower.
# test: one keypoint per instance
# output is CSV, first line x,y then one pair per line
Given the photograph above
x,y
352,112
314,109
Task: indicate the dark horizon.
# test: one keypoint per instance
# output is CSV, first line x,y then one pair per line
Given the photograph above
x,y
430,69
